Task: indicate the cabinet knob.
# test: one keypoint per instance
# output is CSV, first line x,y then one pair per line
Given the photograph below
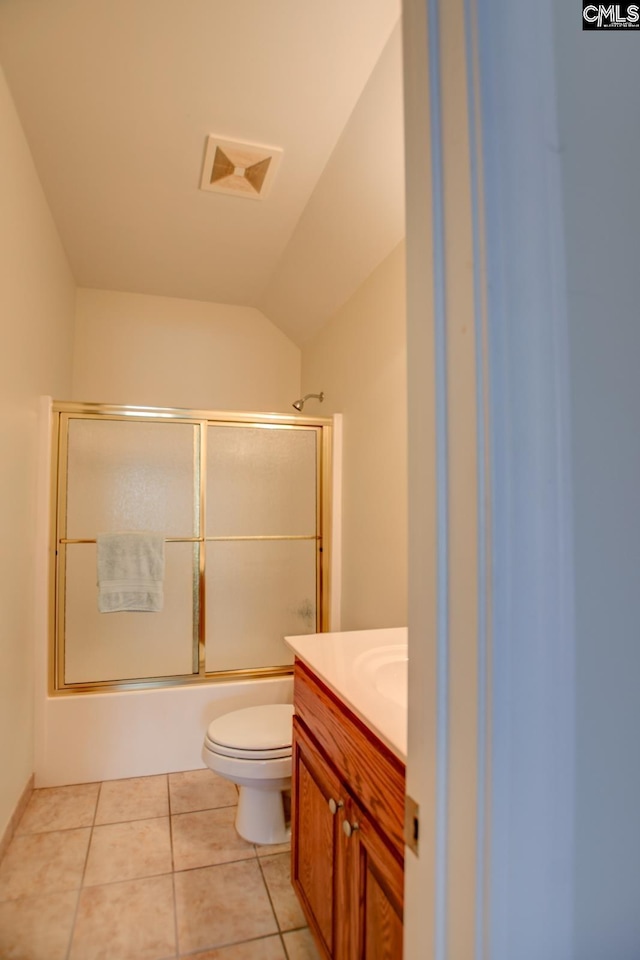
x,y
334,805
349,828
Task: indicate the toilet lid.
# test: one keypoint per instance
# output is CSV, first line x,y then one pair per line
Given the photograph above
x,y
259,731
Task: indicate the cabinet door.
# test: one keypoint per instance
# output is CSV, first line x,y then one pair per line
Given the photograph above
x,y
316,859
377,881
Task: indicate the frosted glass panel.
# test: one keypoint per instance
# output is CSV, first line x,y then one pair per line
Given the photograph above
x,y
261,481
130,475
124,646
257,593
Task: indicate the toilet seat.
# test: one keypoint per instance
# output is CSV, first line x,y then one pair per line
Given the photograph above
x,y
247,770
255,733
246,754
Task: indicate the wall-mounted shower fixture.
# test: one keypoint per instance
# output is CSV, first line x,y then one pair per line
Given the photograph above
x,y
299,404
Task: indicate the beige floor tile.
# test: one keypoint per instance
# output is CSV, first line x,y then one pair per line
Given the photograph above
x,y
38,928
200,790
222,905
39,863
277,874
137,799
60,808
266,948
269,849
127,851
128,921
207,837
300,945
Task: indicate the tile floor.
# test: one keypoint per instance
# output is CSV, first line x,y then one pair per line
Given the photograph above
x,y
145,869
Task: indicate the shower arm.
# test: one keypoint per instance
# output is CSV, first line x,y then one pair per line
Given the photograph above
x,y
299,404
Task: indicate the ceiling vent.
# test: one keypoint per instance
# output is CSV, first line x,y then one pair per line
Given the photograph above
x,y
243,169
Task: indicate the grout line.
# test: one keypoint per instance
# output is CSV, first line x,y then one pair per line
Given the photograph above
x,y
93,824
84,871
175,911
185,813
173,859
281,932
284,946
220,806
168,794
198,952
115,883
173,872
46,833
115,823
73,924
221,863
266,885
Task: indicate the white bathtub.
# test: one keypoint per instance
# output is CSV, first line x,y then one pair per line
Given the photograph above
x,y
136,733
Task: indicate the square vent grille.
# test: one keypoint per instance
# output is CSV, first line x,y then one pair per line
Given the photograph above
x,y
242,169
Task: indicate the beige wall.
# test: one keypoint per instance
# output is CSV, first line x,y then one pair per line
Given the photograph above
x,y
36,327
145,350
359,360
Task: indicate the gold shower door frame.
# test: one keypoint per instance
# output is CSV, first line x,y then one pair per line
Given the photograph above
x,y
62,414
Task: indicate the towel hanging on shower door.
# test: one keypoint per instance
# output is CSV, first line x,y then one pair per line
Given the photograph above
x,y
130,572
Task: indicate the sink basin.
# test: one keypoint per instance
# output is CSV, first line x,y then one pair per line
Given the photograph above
x,y
386,670
367,671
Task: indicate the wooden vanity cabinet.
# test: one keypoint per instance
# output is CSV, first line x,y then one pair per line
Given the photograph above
x,y
378,878
347,823
318,853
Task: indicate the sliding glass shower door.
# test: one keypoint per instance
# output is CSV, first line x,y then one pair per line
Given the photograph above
x,y
262,542
242,506
129,475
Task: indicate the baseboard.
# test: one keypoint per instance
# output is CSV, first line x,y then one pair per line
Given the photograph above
x,y
14,820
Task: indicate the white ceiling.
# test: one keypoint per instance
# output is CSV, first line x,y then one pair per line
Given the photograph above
x,y
117,98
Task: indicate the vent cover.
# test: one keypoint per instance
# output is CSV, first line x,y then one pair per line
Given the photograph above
x,y
243,169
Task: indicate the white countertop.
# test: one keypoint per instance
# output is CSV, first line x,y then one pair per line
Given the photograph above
x,y
366,669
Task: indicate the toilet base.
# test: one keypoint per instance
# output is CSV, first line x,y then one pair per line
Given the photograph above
x,y
260,816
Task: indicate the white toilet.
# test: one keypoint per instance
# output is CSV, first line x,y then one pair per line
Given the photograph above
x,y
252,748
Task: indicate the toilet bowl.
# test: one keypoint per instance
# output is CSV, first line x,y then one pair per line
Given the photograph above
x,y
252,748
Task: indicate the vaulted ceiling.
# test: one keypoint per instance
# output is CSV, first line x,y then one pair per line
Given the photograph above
x,y
117,98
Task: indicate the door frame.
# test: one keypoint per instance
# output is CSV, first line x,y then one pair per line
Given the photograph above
x,y
491,632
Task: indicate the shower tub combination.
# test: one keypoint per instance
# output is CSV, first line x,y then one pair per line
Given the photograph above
x,y
244,504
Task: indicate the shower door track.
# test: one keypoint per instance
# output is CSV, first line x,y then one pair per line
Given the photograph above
x,y
283,536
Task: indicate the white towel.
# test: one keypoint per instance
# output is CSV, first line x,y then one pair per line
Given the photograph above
x,y
130,572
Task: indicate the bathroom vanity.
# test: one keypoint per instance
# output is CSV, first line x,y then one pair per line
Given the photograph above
x,y
348,787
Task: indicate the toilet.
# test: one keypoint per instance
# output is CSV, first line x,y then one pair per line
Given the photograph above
x,y
252,748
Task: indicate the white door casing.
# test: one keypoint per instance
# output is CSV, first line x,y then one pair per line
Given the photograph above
x,y
490,606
